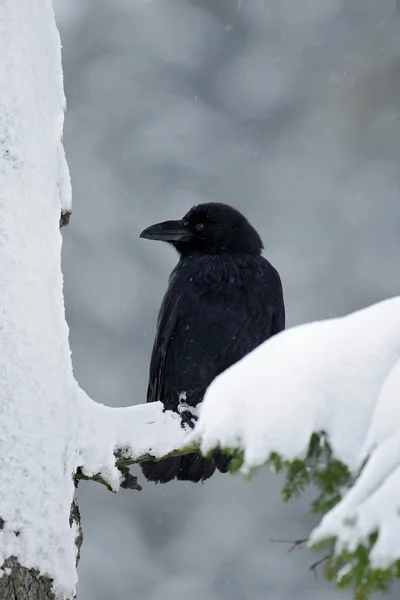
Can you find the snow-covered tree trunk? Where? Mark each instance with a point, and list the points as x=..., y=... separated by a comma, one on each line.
x=49, y=429
x=37, y=399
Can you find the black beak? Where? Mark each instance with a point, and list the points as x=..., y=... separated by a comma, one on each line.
x=168, y=231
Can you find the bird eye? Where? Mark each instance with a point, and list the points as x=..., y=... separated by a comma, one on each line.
x=199, y=226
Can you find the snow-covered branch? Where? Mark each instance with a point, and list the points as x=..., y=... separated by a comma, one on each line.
x=111, y=439
x=372, y=505
x=339, y=378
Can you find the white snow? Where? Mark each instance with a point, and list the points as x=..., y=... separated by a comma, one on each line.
x=338, y=376
x=63, y=180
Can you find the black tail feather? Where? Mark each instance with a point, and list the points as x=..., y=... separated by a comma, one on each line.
x=191, y=467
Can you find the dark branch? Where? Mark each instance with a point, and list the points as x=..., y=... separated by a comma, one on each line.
x=313, y=568
x=294, y=544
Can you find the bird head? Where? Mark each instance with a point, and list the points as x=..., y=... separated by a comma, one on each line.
x=211, y=228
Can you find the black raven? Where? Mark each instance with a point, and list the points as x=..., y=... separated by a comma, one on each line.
x=223, y=300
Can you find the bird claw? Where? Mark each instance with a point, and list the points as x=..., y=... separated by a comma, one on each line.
x=130, y=482
x=188, y=419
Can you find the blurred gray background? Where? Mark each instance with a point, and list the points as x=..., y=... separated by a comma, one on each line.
x=288, y=110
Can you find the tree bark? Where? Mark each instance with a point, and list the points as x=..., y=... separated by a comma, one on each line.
x=20, y=583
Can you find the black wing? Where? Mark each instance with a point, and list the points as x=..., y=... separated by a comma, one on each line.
x=166, y=326
x=203, y=328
